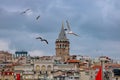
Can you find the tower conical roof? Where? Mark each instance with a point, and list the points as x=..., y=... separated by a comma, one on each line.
x=62, y=34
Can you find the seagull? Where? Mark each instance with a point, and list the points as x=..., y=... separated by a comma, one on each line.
x=42, y=39
x=25, y=11
x=37, y=17
x=69, y=30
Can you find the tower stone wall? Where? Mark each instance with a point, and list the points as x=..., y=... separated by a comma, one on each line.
x=62, y=45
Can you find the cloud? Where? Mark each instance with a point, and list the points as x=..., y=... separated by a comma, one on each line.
x=37, y=53
x=95, y=47
x=4, y=45
x=96, y=21
x=102, y=21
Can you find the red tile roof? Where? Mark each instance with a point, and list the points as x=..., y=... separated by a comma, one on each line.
x=106, y=66
x=112, y=65
x=73, y=61
x=96, y=66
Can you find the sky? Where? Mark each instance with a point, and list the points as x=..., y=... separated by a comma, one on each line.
x=97, y=22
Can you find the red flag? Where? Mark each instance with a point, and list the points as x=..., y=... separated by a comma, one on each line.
x=99, y=74
x=18, y=76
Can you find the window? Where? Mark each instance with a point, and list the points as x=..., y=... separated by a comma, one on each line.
x=37, y=68
x=86, y=73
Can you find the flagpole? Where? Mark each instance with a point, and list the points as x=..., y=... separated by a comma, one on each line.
x=102, y=64
x=100, y=73
x=102, y=69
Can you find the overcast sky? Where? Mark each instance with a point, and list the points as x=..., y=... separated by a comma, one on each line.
x=96, y=21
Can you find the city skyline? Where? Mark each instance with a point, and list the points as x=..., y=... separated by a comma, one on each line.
x=97, y=23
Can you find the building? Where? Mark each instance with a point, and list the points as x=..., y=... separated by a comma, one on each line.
x=62, y=45
x=21, y=57
x=5, y=56
x=21, y=54
x=43, y=68
x=7, y=75
x=26, y=71
x=65, y=72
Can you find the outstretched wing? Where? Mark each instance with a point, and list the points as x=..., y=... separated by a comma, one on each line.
x=39, y=38
x=45, y=40
x=37, y=17
x=68, y=26
x=25, y=11
x=75, y=34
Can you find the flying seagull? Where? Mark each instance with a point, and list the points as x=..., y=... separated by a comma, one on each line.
x=25, y=11
x=69, y=30
x=37, y=17
x=42, y=39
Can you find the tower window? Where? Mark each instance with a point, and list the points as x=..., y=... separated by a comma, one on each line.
x=60, y=45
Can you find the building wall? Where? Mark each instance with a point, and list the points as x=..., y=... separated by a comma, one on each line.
x=84, y=75
x=5, y=56
x=62, y=49
x=64, y=67
x=26, y=71
x=7, y=75
x=43, y=65
x=24, y=67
